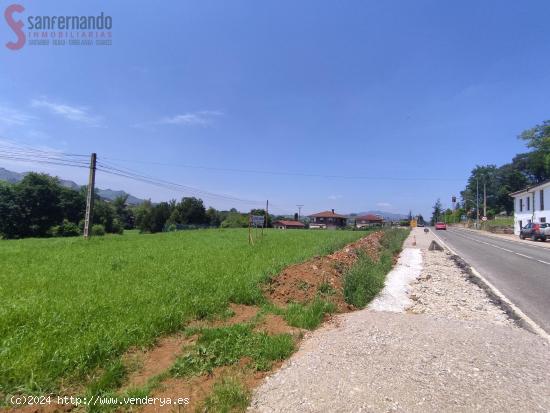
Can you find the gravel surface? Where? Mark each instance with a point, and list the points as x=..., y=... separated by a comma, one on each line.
x=453, y=351
x=390, y=362
x=443, y=290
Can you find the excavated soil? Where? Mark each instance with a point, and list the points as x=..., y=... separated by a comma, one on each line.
x=303, y=282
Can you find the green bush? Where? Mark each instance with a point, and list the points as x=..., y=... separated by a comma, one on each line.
x=366, y=278
x=118, y=227
x=98, y=230
x=70, y=229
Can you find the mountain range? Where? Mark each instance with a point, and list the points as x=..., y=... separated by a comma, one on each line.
x=108, y=194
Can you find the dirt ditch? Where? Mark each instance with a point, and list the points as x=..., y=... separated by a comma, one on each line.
x=303, y=282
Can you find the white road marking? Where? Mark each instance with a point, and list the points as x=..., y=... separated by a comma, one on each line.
x=534, y=326
x=501, y=248
x=530, y=244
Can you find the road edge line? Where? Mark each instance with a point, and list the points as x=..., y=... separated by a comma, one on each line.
x=519, y=317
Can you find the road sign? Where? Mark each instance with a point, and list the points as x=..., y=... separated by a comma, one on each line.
x=484, y=218
x=258, y=220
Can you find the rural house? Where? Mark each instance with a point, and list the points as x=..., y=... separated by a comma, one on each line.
x=531, y=204
x=327, y=220
x=369, y=220
x=288, y=224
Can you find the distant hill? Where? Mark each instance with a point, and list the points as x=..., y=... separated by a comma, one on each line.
x=111, y=194
x=108, y=194
x=388, y=216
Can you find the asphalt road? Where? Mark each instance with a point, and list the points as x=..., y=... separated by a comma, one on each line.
x=520, y=271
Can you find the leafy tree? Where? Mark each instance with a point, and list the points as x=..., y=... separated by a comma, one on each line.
x=189, y=210
x=144, y=216
x=235, y=220
x=159, y=216
x=11, y=215
x=437, y=212
x=214, y=217
x=123, y=213
x=38, y=197
x=537, y=162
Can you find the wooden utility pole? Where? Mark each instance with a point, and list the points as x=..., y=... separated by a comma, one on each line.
x=89, y=217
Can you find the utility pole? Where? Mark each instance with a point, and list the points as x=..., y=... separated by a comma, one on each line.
x=477, y=203
x=89, y=217
x=299, y=211
x=266, y=215
x=484, y=199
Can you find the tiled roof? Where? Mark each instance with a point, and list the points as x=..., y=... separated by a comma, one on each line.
x=370, y=217
x=290, y=223
x=327, y=214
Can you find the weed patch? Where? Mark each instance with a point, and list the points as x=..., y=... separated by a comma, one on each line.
x=307, y=316
x=225, y=346
x=366, y=278
x=228, y=395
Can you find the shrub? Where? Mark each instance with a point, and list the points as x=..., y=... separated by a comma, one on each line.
x=69, y=229
x=98, y=230
x=366, y=278
x=118, y=228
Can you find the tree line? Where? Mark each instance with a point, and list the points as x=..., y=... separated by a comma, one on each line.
x=524, y=169
x=39, y=206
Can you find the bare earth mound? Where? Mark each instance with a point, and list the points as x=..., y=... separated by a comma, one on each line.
x=302, y=282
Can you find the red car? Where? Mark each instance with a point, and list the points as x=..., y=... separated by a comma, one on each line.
x=440, y=225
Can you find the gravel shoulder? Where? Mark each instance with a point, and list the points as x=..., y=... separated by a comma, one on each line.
x=452, y=350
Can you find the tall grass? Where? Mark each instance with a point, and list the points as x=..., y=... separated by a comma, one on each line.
x=366, y=278
x=68, y=306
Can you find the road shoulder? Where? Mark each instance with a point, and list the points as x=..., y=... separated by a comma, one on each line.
x=453, y=350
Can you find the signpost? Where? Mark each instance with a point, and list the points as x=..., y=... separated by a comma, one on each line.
x=258, y=221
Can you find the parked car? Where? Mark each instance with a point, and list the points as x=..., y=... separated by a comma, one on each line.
x=535, y=231
x=440, y=225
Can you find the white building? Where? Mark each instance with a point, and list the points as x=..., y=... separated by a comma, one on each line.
x=531, y=204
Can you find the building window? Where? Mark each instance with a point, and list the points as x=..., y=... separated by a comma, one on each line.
x=542, y=199
x=543, y=220
x=521, y=205
x=520, y=224
x=528, y=203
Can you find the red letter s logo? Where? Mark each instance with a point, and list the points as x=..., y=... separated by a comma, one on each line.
x=16, y=26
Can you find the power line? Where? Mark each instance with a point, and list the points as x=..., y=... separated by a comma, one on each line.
x=108, y=168
x=286, y=173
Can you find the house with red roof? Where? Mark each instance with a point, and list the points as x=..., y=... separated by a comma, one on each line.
x=369, y=220
x=327, y=220
x=288, y=224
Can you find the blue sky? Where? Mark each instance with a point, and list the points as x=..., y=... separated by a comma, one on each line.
x=410, y=94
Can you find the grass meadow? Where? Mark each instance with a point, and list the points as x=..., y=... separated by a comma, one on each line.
x=69, y=306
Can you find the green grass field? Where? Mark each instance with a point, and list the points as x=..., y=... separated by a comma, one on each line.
x=69, y=306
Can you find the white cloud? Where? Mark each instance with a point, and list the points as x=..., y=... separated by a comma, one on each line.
x=13, y=117
x=384, y=204
x=79, y=114
x=334, y=197
x=199, y=118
